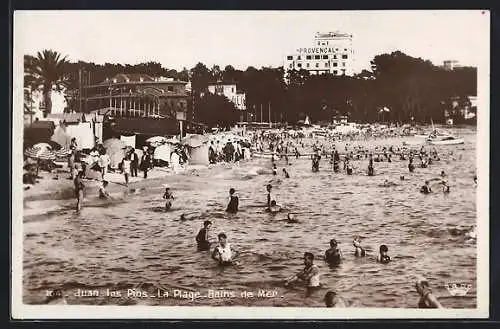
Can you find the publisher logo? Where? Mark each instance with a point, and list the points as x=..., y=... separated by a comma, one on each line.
x=458, y=289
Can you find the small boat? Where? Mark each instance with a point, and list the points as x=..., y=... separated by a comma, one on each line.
x=450, y=140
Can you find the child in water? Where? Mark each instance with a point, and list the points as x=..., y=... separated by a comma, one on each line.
x=383, y=257
x=358, y=250
x=169, y=197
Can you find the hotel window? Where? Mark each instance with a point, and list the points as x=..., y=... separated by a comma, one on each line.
x=344, y=56
x=343, y=63
x=308, y=57
x=317, y=64
x=336, y=49
x=325, y=56
x=307, y=65
x=317, y=57
x=170, y=88
x=335, y=64
x=335, y=72
x=334, y=56
x=289, y=58
x=327, y=64
x=345, y=49
x=298, y=58
x=299, y=65
x=291, y=65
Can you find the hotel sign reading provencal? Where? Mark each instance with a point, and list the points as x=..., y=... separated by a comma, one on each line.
x=323, y=50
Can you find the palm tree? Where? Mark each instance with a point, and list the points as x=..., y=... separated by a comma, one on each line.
x=48, y=68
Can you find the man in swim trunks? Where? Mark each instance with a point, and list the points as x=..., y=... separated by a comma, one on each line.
x=333, y=256
x=202, y=239
x=286, y=173
x=79, y=190
x=309, y=275
x=232, y=207
x=223, y=253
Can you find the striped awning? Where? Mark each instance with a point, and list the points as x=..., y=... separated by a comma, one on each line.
x=40, y=153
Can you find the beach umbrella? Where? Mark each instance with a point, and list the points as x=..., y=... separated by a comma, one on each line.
x=40, y=153
x=62, y=153
x=42, y=146
x=156, y=141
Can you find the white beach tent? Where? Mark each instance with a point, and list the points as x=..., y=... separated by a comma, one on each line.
x=162, y=152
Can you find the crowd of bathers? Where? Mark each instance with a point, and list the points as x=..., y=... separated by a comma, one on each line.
x=281, y=148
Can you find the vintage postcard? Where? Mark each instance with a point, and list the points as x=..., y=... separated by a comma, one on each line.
x=250, y=164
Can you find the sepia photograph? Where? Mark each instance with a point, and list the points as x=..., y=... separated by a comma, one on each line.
x=250, y=164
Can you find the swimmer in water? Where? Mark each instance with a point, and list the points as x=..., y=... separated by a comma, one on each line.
x=223, y=252
x=411, y=166
x=309, y=275
x=348, y=168
x=426, y=189
x=446, y=187
x=286, y=173
x=290, y=218
x=270, y=197
x=333, y=256
x=383, y=257
x=443, y=174
x=103, y=194
x=275, y=170
x=332, y=299
x=169, y=197
x=388, y=183
x=202, y=239
x=232, y=207
x=359, y=251
x=401, y=177
x=427, y=299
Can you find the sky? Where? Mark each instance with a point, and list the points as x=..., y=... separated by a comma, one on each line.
x=178, y=39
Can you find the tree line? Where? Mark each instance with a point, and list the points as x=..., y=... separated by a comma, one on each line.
x=413, y=89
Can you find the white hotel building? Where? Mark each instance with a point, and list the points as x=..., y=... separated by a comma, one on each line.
x=331, y=52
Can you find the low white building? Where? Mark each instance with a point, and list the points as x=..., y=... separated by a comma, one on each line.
x=231, y=92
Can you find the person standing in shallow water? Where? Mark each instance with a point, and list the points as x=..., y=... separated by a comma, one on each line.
x=383, y=257
x=232, y=207
x=333, y=256
x=223, y=253
x=202, y=239
x=79, y=186
x=126, y=163
x=169, y=197
x=309, y=275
